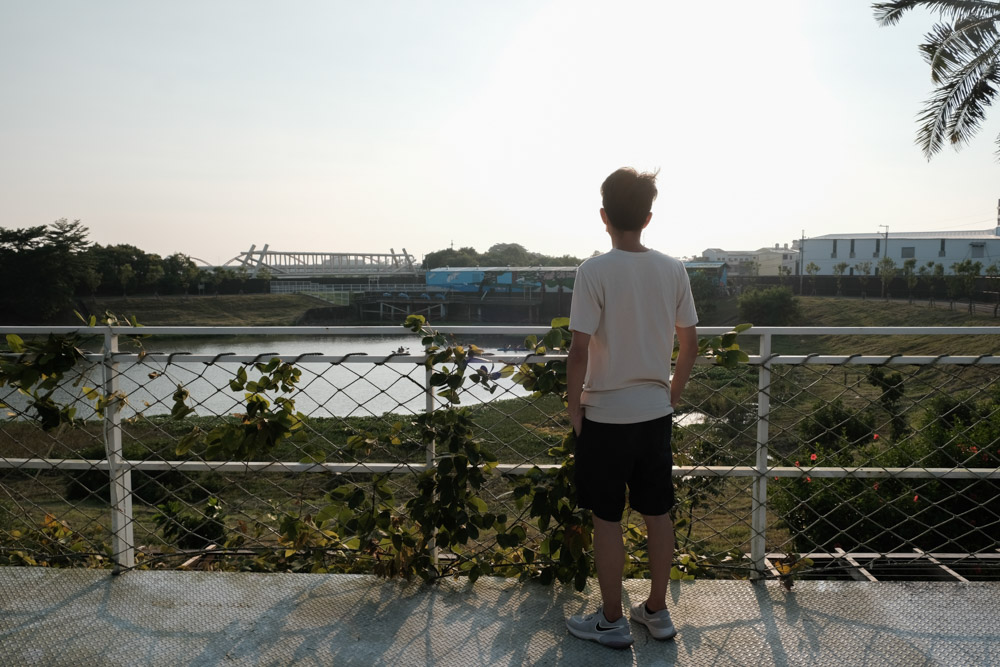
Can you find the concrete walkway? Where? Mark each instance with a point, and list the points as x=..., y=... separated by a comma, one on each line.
x=87, y=617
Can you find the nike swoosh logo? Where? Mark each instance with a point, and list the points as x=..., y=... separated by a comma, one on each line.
x=601, y=628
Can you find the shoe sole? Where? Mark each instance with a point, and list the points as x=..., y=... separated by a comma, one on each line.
x=653, y=632
x=603, y=640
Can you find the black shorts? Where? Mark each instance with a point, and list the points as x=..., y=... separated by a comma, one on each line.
x=610, y=457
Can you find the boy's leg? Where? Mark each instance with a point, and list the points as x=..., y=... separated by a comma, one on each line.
x=609, y=558
x=660, y=548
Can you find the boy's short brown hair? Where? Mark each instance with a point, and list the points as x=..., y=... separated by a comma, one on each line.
x=627, y=197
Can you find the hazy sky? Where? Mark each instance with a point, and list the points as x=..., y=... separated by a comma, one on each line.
x=203, y=127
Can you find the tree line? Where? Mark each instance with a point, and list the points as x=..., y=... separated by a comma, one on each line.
x=961, y=283
x=499, y=254
x=43, y=269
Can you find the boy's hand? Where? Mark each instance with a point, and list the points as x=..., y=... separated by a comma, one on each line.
x=576, y=420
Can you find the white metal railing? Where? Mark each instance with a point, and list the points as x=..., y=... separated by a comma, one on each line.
x=762, y=467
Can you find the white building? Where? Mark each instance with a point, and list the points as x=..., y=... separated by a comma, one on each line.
x=767, y=261
x=945, y=248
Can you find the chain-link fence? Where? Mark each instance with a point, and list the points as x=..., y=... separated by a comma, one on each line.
x=876, y=464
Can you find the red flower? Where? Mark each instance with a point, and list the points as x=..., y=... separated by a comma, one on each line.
x=812, y=457
x=875, y=437
x=973, y=449
x=796, y=464
x=875, y=486
x=916, y=498
x=809, y=479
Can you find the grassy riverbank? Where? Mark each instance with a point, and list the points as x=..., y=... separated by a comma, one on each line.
x=224, y=310
x=287, y=309
x=848, y=312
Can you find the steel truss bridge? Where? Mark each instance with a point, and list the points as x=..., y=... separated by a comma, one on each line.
x=280, y=264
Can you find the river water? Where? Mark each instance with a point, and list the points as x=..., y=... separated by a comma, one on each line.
x=353, y=387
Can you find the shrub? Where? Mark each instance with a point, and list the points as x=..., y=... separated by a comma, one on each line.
x=774, y=306
x=830, y=423
x=883, y=515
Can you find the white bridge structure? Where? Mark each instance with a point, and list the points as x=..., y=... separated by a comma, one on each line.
x=281, y=264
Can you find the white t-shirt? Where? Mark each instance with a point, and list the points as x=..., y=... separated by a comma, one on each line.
x=629, y=304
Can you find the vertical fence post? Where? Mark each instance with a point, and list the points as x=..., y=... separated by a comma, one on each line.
x=123, y=543
x=429, y=408
x=758, y=543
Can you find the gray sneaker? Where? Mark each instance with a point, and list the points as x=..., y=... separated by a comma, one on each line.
x=659, y=624
x=599, y=629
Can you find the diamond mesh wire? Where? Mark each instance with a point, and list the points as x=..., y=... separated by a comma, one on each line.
x=871, y=465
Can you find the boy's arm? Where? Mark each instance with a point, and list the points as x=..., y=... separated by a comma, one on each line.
x=687, y=339
x=576, y=371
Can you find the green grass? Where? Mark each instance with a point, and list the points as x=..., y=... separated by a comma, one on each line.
x=844, y=312
x=259, y=310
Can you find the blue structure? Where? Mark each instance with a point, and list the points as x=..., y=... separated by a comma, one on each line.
x=520, y=279
x=509, y=279
x=717, y=270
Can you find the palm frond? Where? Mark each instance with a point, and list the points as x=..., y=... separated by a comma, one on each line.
x=958, y=107
x=963, y=52
x=889, y=13
x=968, y=115
x=948, y=48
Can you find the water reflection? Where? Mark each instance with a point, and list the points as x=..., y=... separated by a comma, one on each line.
x=352, y=387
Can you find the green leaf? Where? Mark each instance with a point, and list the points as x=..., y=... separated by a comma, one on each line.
x=553, y=339
x=479, y=504
x=15, y=343
x=184, y=446
x=327, y=513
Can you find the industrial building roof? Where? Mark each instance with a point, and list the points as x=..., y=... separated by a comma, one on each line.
x=967, y=234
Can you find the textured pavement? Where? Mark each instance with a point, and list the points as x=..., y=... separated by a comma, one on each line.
x=88, y=617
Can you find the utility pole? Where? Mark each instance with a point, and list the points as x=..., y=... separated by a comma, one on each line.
x=802, y=258
x=885, y=246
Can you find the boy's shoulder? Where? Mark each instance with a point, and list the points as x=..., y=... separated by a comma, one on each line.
x=615, y=258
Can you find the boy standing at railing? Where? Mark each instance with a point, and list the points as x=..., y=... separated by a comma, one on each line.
x=627, y=305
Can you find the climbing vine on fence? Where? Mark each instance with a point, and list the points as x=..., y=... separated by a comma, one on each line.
x=545, y=537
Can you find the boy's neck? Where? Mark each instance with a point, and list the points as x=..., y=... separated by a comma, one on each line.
x=627, y=241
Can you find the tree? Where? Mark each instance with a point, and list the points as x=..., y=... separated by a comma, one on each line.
x=965, y=274
x=179, y=272
x=42, y=268
x=930, y=273
x=864, y=270
x=812, y=269
x=507, y=254
x=125, y=276
x=108, y=260
x=838, y=271
x=783, y=272
x=910, y=274
x=886, y=272
x=963, y=52
x=993, y=272
x=451, y=257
